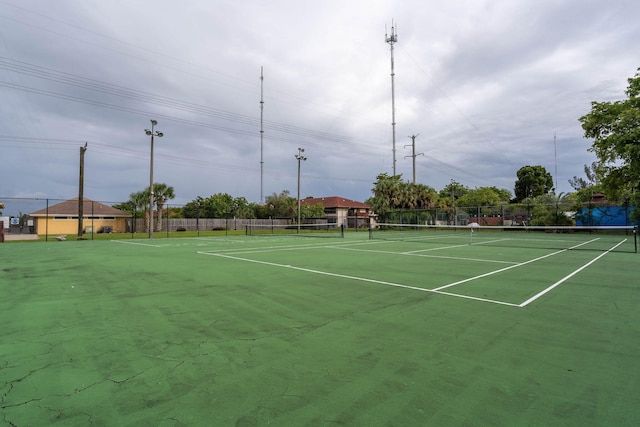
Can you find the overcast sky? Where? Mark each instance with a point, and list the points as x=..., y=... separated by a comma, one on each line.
x=485, y=86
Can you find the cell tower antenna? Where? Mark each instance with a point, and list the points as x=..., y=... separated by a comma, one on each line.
x=391, y=39
x=261, y=136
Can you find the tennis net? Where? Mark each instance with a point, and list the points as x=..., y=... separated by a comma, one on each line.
x=304, y=230
x=601, y=238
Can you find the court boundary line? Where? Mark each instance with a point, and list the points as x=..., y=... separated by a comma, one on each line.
x=438, y=290
x=344, y=247
x=413, y=253
x=570, y=275
x=480, y=276
x=127, y=242
x=361, y=279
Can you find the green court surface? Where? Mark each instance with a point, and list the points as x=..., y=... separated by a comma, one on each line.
x=294, y=331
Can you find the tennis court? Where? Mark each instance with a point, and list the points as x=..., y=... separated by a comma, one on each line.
x=285, y=330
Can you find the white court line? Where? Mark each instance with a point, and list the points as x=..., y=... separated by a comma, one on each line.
x=538, y=295
x=455, y=246
x=436, y=290
x=511, y=266
x=362, y=279
x=413, y=253
x=127, y=242
x=215, y=239
x=282, y=247
x=238, y=251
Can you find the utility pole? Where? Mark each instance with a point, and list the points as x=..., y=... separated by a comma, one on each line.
x=391, y=39
x=555, y=156
x=81, y=191
x=414, y=155
x=299, y=158
x=152, y=133
x=261, y=137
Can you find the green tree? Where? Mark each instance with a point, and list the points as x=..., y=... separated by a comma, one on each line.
x=615, y=129
x=532, y=181
x=194, y=208
x=482, y=196
x=281, y=205
x=386, y=192
x=592, y=172
x=585, y=188
x=161, y=193
x=549, y=209
x=503, y=193
x=221, y=205
x=391, y=193
x=312, y=211
x=137, y=205
x=244, y=209
x=452, y=192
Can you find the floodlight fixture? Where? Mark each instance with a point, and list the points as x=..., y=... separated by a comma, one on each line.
x=152, y=133
x=299, y=158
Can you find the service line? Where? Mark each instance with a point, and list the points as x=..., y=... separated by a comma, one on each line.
x=538, y=295
x=361, y=279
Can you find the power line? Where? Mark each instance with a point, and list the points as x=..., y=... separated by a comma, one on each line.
x=150, y=98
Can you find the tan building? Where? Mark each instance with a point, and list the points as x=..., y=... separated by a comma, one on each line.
x=343, y=211
x=62, y=218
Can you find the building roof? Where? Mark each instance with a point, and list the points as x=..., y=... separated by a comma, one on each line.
x=89, y=208
x=335, y=202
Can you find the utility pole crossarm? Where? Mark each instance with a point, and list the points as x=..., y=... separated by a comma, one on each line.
x=413, y=155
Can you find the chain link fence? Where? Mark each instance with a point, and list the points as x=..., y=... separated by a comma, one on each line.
x=54, y=217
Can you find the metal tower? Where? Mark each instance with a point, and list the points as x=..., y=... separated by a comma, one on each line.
x=391, y=39
x=261, y=138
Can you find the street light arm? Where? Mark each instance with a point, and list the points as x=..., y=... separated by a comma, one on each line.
x=152, y=133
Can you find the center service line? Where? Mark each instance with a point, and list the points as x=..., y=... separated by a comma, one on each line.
x=510, y=267
x=538, y=295
x=362, y=279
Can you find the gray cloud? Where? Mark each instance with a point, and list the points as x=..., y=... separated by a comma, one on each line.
x=486, y=85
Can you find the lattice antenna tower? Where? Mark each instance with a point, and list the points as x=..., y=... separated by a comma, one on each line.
x=261, y=136
x=391, y=39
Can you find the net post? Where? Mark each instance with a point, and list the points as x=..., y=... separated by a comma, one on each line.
x=247, y=230
x=342, y=230
x=635, y=238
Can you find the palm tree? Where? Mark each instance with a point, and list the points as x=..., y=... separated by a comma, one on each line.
x=161, y=193
x=138, y=202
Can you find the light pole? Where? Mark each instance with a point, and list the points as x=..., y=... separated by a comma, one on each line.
x=152, y=133
x=299, y=158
